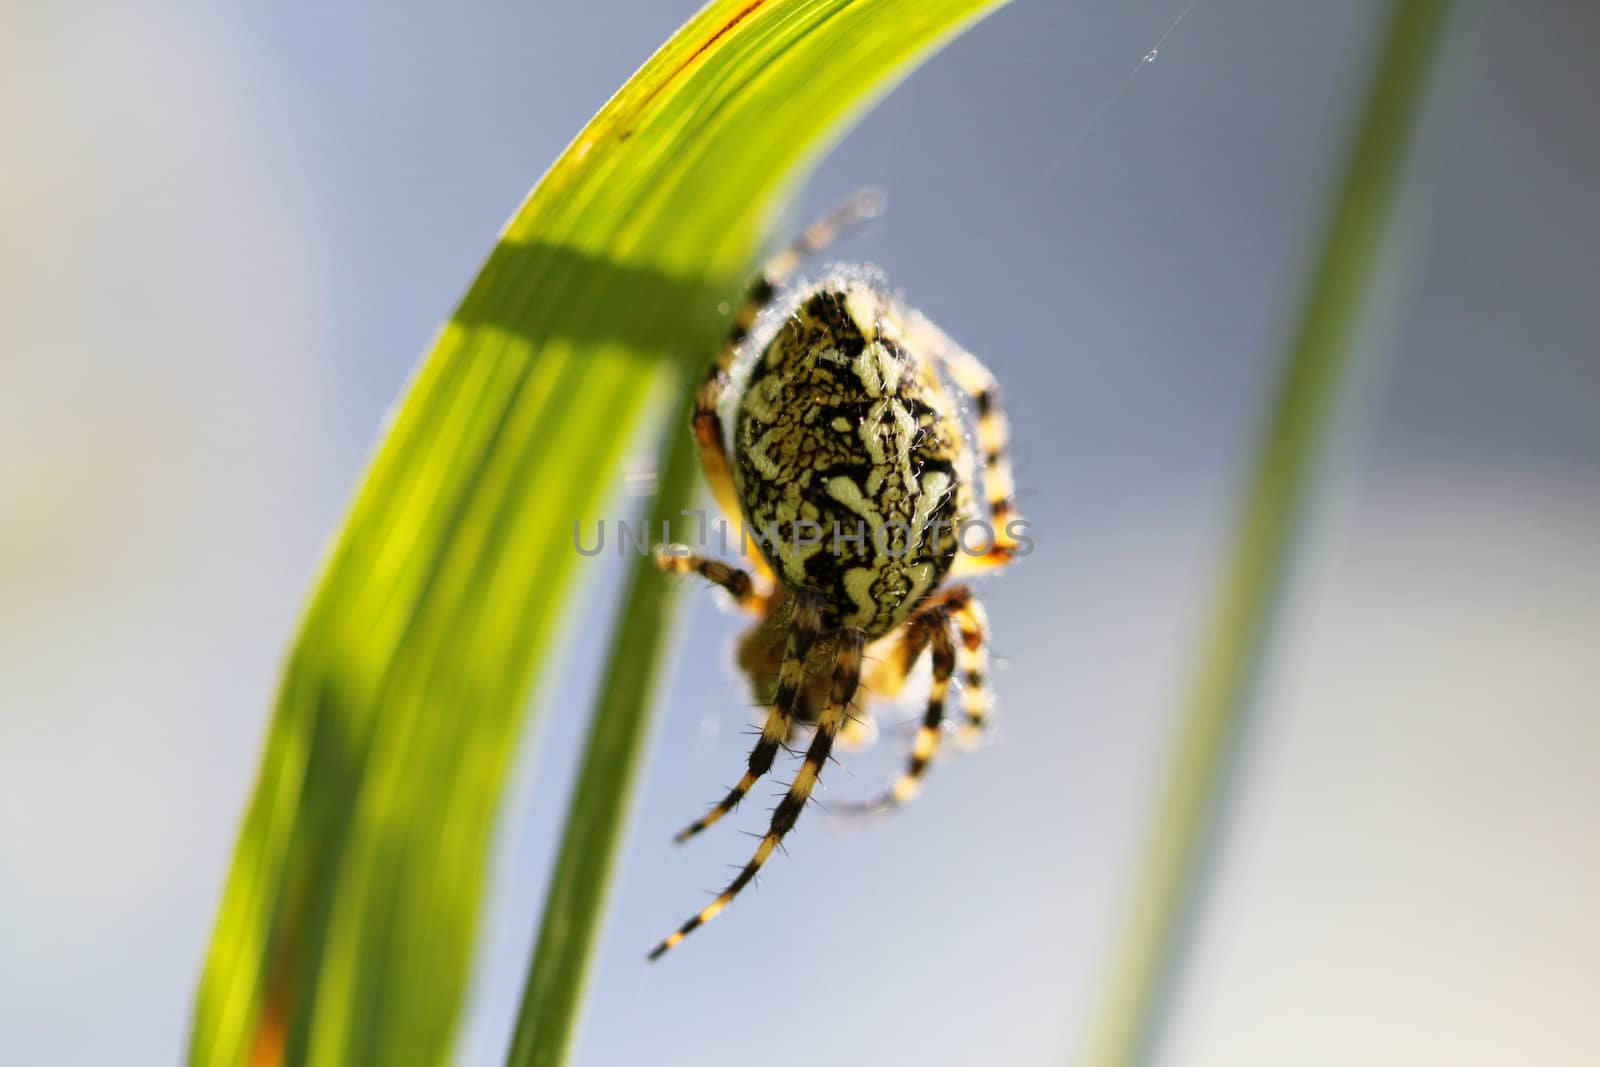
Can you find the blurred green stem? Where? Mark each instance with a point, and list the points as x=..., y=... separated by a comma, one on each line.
x=1320, y=351
x=597, y=812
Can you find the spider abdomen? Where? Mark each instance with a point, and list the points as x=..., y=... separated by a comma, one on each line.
x=849, y=460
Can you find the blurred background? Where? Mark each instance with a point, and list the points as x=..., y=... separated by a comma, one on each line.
x=226, y=232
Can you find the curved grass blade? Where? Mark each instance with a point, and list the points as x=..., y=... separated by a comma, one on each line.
x=552, y=996
x=1319, y=354
x=881, y=39
x=345, y=930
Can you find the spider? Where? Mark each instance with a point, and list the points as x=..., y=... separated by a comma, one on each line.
x=852, y=473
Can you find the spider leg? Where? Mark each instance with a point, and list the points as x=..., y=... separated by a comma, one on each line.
x=994, y=437
x=738, y=583
x=972, y=657
x=706, y=422
x=934, y=622
x=804, y=629
x=859, y=731
x=931, y=626
x=846, y=676
x=708, y=437
x=780, y=267
x=888, y=663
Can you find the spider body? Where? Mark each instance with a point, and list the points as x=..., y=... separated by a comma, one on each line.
x=850, y=461
x=852, y=475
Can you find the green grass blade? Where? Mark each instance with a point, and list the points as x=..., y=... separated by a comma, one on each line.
x=552, y=997
x=1320, y=351
x=345, y=930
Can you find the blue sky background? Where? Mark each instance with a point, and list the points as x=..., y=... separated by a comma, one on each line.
x=226, y=232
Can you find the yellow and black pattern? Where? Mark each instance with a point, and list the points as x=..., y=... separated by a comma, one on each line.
x=891, y=661
x=973, y=659
x=849, y=459
x=735, y=581
x=850, y=464
x=994, y=439
x=707, y=423
x=846, y=676
x=804, y=628
x=931, y=627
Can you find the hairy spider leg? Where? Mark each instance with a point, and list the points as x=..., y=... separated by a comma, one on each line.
x=804, y=628
x=735, y=581
x=972, y=658
x=889, y=661
x=846, y=676
x=958, y=605
x=933, y=621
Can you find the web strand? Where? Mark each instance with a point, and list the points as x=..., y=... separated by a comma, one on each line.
x=1095, y=120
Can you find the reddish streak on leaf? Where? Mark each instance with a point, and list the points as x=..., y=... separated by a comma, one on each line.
x=698, y=52
x=272, y=1029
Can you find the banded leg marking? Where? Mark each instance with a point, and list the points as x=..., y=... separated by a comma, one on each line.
x=738, y=583
x=935, y=622
x=803, y=631
x=846, y=676
x=780, y=267
x=883, y=674
x=972, y=658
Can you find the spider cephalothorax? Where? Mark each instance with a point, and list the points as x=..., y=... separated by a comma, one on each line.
x=852, y=475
